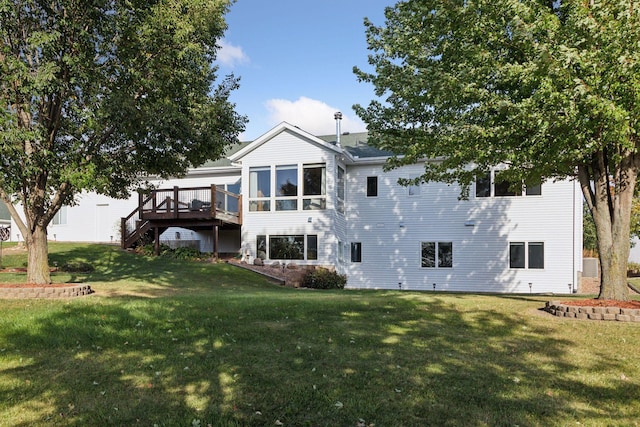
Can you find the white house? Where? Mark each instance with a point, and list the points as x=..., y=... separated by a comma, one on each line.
x=327, y=201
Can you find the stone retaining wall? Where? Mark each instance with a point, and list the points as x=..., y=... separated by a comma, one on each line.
x=45, y=291
x=593, y=313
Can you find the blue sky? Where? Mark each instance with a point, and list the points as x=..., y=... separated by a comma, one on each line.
x=295, y=61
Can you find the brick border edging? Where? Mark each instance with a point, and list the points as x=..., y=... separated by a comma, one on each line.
x=592, y=313
x=70, y=291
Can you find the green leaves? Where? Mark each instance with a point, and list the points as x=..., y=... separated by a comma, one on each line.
x=96, y=94
x=556, y=79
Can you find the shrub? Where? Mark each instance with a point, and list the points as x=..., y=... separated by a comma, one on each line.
x=77, y=267
x=322, y=278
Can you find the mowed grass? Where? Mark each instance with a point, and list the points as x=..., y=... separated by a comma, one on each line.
x=176, y=343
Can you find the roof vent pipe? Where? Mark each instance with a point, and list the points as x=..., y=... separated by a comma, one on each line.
x=338, y=117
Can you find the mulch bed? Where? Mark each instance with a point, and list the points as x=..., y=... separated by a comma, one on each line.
x=603, y=303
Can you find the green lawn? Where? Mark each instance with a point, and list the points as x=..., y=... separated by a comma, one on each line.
x=176, y=343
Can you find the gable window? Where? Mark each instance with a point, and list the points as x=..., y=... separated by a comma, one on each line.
x=259, y=189
x=340, y=190
x=372, y=186
x=286, y=188
x=314, y=187
x=356, y=252
x=60, y=218
x=526, y=255
x=437, y=254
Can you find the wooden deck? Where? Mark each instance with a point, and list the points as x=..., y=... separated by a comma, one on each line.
x=194, y=208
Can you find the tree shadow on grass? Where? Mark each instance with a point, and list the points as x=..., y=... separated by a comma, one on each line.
x=302, y=358
x=149, y=276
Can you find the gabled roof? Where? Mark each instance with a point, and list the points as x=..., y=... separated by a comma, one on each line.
x=282, y=127
x=224, y=161
x=357, y=146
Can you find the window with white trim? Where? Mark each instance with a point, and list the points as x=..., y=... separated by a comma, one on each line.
x=340, y=189
x=314, y=186
x=526, y=255
x=287, y=247
x=287, y=188
x=60, y=217
x=260, y=189
x=493, y=184
x=438, y=254
x=372, y=186
x=356, y=251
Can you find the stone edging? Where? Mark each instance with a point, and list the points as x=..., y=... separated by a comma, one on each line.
x=46, y=291
x=593, y=313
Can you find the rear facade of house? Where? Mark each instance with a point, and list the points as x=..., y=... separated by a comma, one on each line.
x=327, y=201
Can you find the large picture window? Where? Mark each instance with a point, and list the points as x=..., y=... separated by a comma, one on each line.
x=314, y=187
x=259, y=189
x=436, y=254
x=288, y=247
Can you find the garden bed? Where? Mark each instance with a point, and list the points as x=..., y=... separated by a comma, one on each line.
x=593, y=309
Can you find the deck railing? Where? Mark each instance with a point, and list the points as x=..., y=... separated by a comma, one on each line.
x=182, y=203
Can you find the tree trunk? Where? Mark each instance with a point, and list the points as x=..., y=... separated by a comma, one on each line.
x=609, y=196
x=38, y=255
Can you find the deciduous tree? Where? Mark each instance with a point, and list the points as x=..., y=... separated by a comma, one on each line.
x=95, y=94
x=549, y=88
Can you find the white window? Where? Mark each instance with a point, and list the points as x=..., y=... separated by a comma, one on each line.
x=499, y=186
x=438, y=254
x=356, y=251
x=60, y=218
x=372, y=186
x=314, y=187
x=340, y=184
x=260, y=189
x=526, y=255
x=286, y=188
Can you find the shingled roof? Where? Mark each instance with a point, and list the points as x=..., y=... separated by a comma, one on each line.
x=355, y=143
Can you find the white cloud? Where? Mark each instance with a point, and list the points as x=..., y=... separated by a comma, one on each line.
x=312, y=116
x=230, y=55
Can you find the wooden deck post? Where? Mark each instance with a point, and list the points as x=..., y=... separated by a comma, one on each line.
x=213, y=200
x=216, y=252
x=140, y=203
x=176, y=196
x=123, y=232
x=156, y=242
